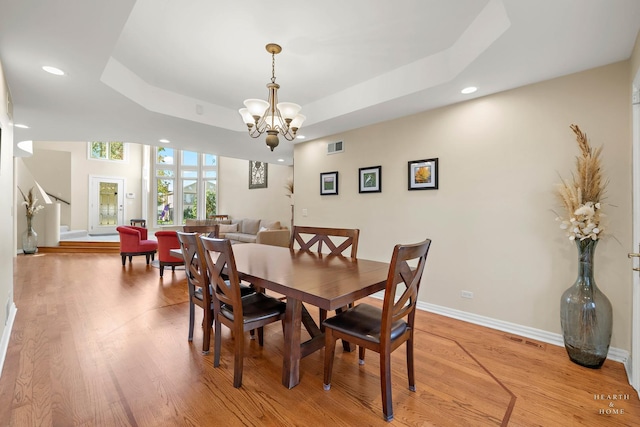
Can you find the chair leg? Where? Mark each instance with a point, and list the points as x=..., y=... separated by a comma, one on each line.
x=361, y=351
x=238, y=344
x=130, y=257
x=161, y=270
x=173, y=268
x=191, y=319
x=206, y=324
x=261, y=336
x=410, y=369
x=385, y=384
x=323, y=317
x=217, y=341
x=147, y=256
x=124, y=260
x=329, y=352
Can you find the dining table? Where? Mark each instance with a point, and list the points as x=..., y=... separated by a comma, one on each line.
x=325, y=281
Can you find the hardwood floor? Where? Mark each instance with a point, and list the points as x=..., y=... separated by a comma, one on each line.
x=98, y=344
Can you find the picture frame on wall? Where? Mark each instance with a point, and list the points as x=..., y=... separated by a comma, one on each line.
x=423, y=174
x=370, y=179
x=328, y=183
x=258, y=174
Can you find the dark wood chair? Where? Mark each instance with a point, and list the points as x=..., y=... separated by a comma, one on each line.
x=212, y=230
x=337, y=241
x=167, y=240
x=230, y=308
x=383, y=330
x=197, y=281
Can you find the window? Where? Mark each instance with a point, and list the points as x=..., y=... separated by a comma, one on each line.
x=182, y=180
x=113, y=151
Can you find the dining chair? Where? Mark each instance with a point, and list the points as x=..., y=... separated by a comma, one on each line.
x=238, y=313
x=167, y=240
x=197, y=282
x=383, y=330
x=133, y=242
x=336, y=241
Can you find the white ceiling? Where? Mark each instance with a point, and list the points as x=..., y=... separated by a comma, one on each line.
x=139, y=71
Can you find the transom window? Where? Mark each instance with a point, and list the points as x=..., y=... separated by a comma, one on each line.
x=114, y=151
x=183, y=179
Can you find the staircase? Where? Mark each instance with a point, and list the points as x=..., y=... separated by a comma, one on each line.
x=78, y=241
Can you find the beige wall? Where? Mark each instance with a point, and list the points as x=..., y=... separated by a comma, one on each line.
x=491, y=220
x=76, y=179
x=237, y=200
x=7, y=212
x=635, y=57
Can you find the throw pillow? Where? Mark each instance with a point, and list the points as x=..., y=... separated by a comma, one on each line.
x=250, y=226
x=228, y=228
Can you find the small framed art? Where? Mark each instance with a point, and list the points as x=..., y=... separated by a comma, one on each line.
x=423, y=174
x=370, y=179
x=257, y=174
x=328, y=183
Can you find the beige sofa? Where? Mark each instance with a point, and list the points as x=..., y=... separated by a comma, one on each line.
x=255, y=231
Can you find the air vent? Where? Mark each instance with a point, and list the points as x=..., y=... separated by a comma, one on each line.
x=335, y=147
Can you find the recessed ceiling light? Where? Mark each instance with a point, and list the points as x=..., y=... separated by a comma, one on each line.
x=21, y=126
x=468, y=90
x=281, y=160
x=53, y=70
x=301, y=137
x=164, y=141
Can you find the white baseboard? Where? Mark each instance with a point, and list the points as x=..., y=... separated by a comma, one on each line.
x=6, y=334
x=615, y=354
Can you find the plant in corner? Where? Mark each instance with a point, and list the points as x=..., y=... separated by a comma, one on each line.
x=585, y=312
x=30, y=237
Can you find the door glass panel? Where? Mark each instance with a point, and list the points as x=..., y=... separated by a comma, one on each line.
x=165, y=156
x=108, y=203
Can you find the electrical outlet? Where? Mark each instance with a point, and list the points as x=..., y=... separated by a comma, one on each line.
x=304, y=212
x=466, y=294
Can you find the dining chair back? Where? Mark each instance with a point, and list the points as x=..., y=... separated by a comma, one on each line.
x=212, y=230
x=238, y=313
x=167, y=240
x=336, y=240
x=383, y=330
x=134, y=241
x=197, y=284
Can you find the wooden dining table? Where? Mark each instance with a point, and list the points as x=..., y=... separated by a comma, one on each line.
x=325, y=281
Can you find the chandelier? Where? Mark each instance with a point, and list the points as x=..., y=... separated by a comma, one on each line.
x=271, y=116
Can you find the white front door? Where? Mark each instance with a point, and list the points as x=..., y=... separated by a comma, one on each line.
x=106, y=204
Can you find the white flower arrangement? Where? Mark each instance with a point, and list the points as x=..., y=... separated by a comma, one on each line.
x=584, y=224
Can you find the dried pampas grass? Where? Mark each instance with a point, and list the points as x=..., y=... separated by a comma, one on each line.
x=585, y=188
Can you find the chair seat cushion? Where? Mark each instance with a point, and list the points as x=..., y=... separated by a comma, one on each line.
x=363, y=321
x=256, y=306
x=148, y=245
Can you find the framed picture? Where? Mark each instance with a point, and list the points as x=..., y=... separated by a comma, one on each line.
x=370, y=179
x=257, y=174
x=328, y=183
x=423, y=174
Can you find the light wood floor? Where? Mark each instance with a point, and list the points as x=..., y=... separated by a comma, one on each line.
x=96, y=344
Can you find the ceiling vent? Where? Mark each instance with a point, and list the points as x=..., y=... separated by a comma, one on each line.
x=335, y=147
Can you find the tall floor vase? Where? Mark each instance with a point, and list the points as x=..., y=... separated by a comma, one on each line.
x=586, y=313
x=29, y=239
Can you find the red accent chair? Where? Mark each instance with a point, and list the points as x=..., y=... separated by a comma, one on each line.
x=168, y=240
x=133, y=241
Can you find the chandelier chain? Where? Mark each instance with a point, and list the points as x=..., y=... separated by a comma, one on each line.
x=273, y=67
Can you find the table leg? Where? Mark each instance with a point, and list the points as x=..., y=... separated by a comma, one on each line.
x=291, y=363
